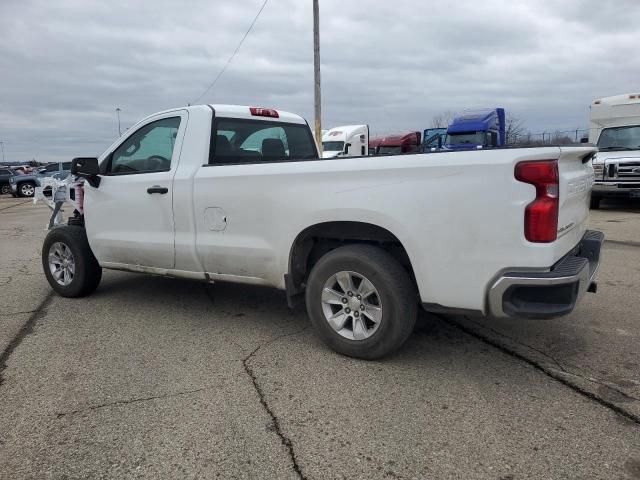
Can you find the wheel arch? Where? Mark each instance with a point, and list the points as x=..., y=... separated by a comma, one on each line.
x=316, y=240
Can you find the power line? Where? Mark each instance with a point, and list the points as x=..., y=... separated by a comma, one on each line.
x=234, y=53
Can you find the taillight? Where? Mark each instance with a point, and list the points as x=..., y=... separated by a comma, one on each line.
x=264, y=112
x=541, y=215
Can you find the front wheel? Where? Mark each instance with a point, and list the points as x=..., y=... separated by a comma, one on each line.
x=27, y=189
x=361, y=301
x=68, y=262
x=594, y=204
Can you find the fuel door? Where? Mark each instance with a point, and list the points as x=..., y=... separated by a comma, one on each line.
x=215, y=219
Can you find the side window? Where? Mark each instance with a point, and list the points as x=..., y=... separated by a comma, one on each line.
x=4, y=172
x=250, y=141
x=53, y=167
x=66, y=166
x=148, y=150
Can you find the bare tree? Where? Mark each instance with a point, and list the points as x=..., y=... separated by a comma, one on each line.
x=515, y=129
x=442, y=119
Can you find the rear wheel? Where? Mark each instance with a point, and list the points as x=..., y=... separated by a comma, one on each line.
x=68, y=262
x=27, y=189
x=6, y=189
x=361, y=301
x=595, y=203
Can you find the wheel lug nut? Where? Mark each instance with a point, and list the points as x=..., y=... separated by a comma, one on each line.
x=357, y=314
x=348, y=310
x=344, y=300
x=359, y=297
x=361, y=307
x=350, y=294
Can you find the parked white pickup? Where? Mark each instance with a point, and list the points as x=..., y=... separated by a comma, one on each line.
x=232, y=193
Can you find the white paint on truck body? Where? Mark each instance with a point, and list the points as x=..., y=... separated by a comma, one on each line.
x=459, y=215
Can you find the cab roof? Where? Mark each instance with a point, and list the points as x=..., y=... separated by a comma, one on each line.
x=396, y=140
x=624, y=99
x=342, y=133
x=242, y=111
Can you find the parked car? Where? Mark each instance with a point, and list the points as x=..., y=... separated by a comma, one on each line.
x=363, y=240
x=25, y=185
x=5, y=184
x=20, y=170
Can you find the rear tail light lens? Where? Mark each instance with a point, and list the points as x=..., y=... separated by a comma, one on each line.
x=541, y=215
x=264, y=112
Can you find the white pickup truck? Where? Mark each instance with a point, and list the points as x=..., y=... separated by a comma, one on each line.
x=232, y=193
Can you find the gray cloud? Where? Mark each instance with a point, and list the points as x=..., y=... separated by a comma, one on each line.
x=67, y=65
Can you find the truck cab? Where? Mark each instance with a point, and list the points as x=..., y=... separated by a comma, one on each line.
x=474, y=129
x=397, y=144
x=346, y=141
x=433, y=138
x=615, y=129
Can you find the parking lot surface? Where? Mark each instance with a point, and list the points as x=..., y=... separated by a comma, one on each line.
x=159, y=378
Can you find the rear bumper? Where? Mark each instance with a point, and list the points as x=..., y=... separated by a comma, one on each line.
x=551, y=293
x=616, y=189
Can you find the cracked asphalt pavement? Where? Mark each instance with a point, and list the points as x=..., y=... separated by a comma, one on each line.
x=160, y=378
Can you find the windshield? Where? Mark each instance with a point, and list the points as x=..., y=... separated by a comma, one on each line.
x=620, y=138
x=383, y=150
x=333, y=146
x=473, y=138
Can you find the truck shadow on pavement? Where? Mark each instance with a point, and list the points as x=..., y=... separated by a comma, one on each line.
x=233, y=362
x=254, y=307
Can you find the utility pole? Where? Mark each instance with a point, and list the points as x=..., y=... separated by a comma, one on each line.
x=118, y=115
x=2, y=145
x=316, y=75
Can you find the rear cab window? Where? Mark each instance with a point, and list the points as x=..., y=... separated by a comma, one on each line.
x=237, y=141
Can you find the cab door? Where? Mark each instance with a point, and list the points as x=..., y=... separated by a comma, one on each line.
x=129, y=216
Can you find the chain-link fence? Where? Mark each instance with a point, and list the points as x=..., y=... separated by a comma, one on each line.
x=552, y=137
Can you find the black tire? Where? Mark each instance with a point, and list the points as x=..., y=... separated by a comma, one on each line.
x=594, y=204
x=5, y=189
x=26, y=185
x=87, y=273
x=395, y=288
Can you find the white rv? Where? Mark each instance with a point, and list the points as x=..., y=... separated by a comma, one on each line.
x=615, y=129
x=346, y=141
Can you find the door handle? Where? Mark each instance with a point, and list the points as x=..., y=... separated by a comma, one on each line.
x=157, y=189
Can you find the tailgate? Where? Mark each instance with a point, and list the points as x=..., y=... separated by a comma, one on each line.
x=576, y=180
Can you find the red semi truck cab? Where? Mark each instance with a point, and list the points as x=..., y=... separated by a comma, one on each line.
x=395, y=144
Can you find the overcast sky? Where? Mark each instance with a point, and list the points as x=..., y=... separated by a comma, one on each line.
x=65, y=65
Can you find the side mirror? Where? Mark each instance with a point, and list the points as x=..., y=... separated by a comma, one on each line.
x=584, y=140
x=87, y=168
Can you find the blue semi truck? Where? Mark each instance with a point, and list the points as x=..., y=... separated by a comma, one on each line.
x=475, y=129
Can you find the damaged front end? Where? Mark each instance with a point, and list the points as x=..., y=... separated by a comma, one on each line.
x=56, y=192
